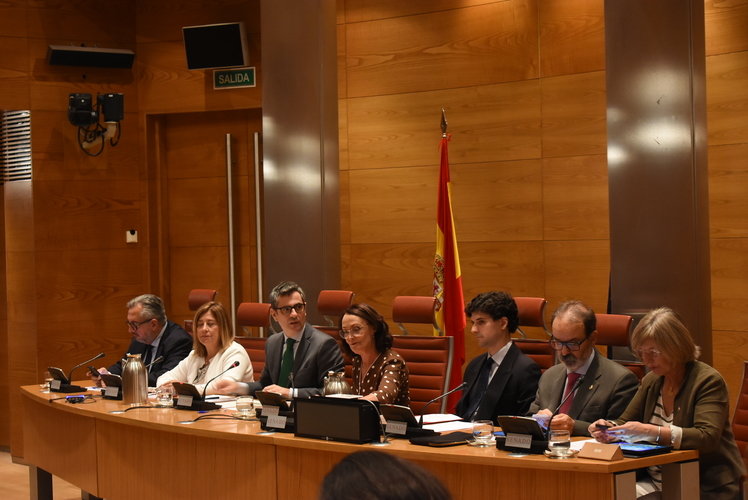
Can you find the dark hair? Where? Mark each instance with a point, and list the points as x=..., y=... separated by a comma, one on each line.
x=382, y=336
x=578, y=311
x=285, y=288
x=374, y=475
x=497, y=305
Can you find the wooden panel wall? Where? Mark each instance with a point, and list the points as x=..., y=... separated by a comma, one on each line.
x=527, y=118
x=727, y=127
x=71, y=271
x=523, y=84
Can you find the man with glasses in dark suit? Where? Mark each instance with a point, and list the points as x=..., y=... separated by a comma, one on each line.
x=593, y=386
x=298, y=358
x=153, y=336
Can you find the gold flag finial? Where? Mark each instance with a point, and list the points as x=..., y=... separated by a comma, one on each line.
x=444, y=123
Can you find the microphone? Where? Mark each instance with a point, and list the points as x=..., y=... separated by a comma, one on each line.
x=157, y=360
x=423, y=410
x=233, y=365
x=70, y=374
x=384, y=440
x=555, y=412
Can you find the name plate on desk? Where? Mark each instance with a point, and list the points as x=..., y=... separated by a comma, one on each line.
x=601, y=451
x=276, y=422
x=55, y=385
x=395, y=427
x=112, y=392
x=270, y=411
x=519, y=440
x=184, y=400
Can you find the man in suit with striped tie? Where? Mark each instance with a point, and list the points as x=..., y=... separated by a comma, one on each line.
x=585, y=386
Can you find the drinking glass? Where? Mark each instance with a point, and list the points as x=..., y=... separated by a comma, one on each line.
x=559, y=443
x=245, y=406
x=47, y=380
x=483, y=432
x=164, y=397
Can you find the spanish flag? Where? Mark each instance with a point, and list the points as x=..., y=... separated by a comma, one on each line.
x=450, y=304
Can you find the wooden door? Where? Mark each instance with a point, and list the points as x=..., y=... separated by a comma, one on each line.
x=190, y=222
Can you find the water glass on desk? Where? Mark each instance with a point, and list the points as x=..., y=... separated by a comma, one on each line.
x=164, y=397
x=483, y=433
x=559, y=443
x=245, y=407
x=47, y=380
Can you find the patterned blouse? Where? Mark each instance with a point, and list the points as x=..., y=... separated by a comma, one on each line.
x=387, y=377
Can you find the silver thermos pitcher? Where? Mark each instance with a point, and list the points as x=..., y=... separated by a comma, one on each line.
x=336, y=384
x=134, y=381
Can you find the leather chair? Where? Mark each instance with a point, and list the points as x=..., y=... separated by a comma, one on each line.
x=613, y=330
x=429, y=361
x=196, y=298
x=332, y=303
x=532, y=314
x=740, y=421
x=414, y=309
x=254, y=314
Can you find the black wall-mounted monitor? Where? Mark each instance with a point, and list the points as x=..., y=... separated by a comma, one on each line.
x=215, y=46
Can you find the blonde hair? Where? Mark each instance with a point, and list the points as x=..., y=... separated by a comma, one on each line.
x=226, y=334
x=668, y=332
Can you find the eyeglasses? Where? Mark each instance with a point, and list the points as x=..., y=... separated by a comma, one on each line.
x=286, y=310
x=572, y=345
x=649, y=353
x=355, y=331
x=134, y=325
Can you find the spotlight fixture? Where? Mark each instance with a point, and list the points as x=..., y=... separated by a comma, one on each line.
x=91, y=133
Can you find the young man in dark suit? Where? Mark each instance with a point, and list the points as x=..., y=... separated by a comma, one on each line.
x=502, y=381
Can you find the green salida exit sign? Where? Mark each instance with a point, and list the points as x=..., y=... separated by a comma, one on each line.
x=233, y=78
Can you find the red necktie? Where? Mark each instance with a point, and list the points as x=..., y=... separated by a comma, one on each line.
x=571, y=380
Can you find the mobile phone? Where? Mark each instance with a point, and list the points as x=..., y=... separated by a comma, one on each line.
x=603, y=427
x=94, y=372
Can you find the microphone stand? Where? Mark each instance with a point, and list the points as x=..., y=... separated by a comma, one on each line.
x=68, y=386
x=205, y=389
x=384, y=440
x=423, y=410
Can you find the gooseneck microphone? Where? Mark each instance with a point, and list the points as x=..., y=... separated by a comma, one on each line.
x=157, y=360
x=423, y=410
x=555, y=412
x=233, y=365
x=70, y=374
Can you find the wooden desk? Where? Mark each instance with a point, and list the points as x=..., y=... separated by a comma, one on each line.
x=146, y=453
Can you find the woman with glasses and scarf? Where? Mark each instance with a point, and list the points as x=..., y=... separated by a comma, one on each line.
x=682, y=403
x=379, y=373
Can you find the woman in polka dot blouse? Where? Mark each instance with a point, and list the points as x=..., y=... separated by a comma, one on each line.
x=379, y=373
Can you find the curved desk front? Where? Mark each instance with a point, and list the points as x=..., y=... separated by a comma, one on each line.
x=147, y=453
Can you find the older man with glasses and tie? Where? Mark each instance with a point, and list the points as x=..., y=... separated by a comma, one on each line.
x=585, y=386
x=298, y=358
x=154, y=337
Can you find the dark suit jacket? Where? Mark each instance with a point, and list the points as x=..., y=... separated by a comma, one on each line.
x=603, y=392
x=317, y=354
x=702, y=411
x=510, y=391
x=174, y=346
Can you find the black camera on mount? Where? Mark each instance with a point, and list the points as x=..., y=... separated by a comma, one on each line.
x=80, y=110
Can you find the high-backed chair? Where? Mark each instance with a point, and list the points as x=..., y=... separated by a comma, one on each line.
x=531, y=313
x=429, y=361
x=254, y=314
x=613, y=330
x=414, y=309
x=740, y=420
x=332, y=303
x=196, y=298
